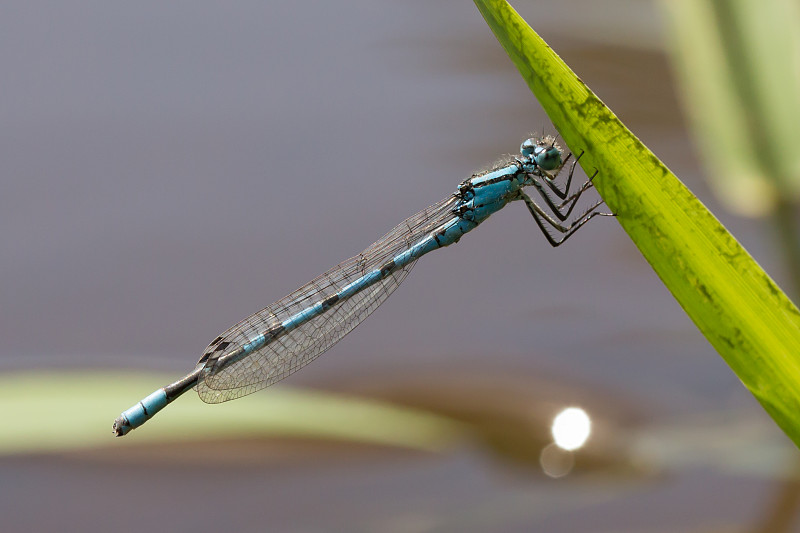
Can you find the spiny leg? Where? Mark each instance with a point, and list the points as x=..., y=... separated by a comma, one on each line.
x=586, y=185
x=540, y=216
x=571, y=201
x=573, y=228
x=536, y=210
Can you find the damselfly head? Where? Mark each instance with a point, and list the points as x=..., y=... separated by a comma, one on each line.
x=543, y=150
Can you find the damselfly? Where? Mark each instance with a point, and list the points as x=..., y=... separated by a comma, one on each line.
x=279, y=340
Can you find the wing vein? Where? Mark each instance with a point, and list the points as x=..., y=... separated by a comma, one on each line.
x=287, y=353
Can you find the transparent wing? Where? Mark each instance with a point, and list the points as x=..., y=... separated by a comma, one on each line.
x=291, y=351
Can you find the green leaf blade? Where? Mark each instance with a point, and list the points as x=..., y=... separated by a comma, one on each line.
x=56, y=412
x=740, y=310
x=738, y=77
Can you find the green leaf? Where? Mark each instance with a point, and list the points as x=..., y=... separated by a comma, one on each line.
x=57, y=412
x=740, y=310
x=738, y=65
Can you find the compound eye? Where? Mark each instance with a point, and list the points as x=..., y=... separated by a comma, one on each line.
x=548, y=158
x=527, y=147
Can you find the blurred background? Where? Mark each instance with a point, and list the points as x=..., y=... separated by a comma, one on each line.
x=169, y=169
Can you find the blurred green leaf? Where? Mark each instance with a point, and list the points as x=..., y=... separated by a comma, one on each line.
x=55, y=412
x=738, y=64
x=739, y=309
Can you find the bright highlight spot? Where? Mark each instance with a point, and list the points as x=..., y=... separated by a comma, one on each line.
x=571, y=427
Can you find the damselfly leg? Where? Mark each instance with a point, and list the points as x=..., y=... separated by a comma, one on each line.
x=569, y=202
x=541, y=216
